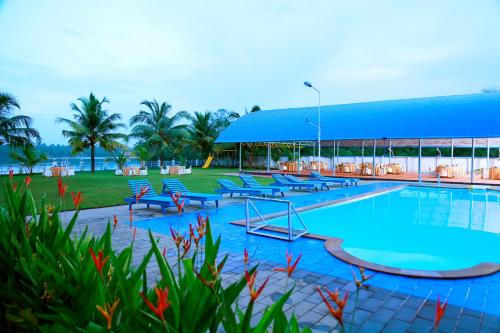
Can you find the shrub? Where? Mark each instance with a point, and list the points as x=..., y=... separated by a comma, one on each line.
x=57, y=281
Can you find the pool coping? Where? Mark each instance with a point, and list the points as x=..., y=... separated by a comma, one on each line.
x=334, y=245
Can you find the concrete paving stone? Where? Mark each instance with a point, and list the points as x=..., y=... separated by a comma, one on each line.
x=396, y=326
x=383, y=315
x=447, y=324
x=427, y=312
x=370, y=304
x=371, y=326
x=420, y=325
x=381, y=294
x=405, y=314
x=303, y=307
x=491, y=321
x=310, y=317
x=360, y=316
x=393, y=303
x=469, y=322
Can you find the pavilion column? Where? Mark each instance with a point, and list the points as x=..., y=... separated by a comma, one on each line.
x=268, y=157
x=298, y=162
x=294, y=152
x=488, y=156
x=419, y=160
x=472, y=162
x=334, y=167
x=451, y=152
x=239, y=164
x=374, y=154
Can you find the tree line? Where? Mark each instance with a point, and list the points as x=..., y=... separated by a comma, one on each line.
x=157, y=132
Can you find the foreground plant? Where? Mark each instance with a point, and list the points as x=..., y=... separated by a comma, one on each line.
x=55, y=281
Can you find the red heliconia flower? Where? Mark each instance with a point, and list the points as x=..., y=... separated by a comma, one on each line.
x=336, y=313
x=162, y=302
x=107, y=312
x=440, y=309
x=176, y=198
x=177, y=237
x=254, y=294
x=202, y=226
x=77, y=199
x=99, y=261
x=245, y=256
x=115, y=221
x=185, y=247
x=289, y=268
x=11, y=175
x=14, y=186
x=164, y=250
x=61, y=188
x=135, y=231
x=364, y=278
x=143, y=191
x=27, y=180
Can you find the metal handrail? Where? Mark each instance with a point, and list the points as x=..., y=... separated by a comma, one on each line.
x=292, y=234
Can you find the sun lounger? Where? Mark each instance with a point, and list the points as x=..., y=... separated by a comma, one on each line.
x=280, y=180
x=176, y=186
x=227, y=186
x=150, y=198
x=344, y=181
x=322, y=184
x=250, y=182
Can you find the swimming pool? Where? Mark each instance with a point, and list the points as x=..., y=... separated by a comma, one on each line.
x=416, y=228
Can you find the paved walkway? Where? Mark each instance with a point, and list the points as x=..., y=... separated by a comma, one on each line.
x=388, y=304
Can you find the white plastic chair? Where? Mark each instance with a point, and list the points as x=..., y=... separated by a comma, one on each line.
x=188, y=171
x=71, y=172
x=143, y=172
x=47, y=173
x=164, y=170
x=119, y=172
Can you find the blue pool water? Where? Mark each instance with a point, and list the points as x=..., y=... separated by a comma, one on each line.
x=415, y=227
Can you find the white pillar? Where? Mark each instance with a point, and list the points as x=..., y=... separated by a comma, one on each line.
x=419, y=160
x=451, y=152
x=374, y=154
x=488, y=157
x=298, y=162
x=334, y=162
x=472, y=162
x=239, y=165
x=268, y=157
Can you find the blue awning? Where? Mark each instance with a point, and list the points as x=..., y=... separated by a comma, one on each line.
x=462, y=116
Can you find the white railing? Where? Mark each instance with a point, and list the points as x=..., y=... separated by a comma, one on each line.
x=262, y=227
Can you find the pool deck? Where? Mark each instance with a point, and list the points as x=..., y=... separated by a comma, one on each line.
x=390, y=303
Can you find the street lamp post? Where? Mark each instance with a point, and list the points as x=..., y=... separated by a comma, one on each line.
x=318, y=126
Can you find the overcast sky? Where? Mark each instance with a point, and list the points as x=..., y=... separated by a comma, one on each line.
x=206, y=55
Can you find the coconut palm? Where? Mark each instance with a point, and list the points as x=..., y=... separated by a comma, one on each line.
x=15, y=130
x=142, y=152
x=202, y=132
x=155, y=128
x=92, y=126
x=28, y=157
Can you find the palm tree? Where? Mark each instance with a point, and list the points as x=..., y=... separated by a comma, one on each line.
x=155, y=128
x=222, y=118
x=142, y=152
x=15, y=130
x=92, y=126
x=28, y=157
x=202, y=132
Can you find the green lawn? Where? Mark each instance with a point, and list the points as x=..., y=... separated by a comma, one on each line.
x=105, y=189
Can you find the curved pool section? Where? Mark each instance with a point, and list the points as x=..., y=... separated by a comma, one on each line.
x=414, y=229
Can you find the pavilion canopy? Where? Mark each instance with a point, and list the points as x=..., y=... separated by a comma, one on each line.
x=447, y=117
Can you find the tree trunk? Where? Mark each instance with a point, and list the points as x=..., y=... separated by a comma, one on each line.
x=92, y=159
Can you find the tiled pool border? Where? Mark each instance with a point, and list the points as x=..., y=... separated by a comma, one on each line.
x=334, y=245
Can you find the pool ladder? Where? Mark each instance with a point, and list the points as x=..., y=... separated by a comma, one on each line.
x=260, y=226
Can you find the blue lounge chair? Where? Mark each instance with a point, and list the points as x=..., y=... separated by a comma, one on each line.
x=322, y=184
x=250, y=182
x=350, y=181
x=150, y=198
x=227, y=186
x=176, y=186
x=280, y=180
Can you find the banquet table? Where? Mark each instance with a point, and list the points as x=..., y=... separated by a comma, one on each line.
x=58, y=171
x=131, y=171
x=290, y=166
x=495, y=173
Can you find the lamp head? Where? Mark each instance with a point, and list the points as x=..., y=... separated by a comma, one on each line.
x=308, y=84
